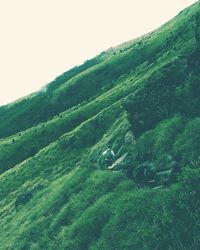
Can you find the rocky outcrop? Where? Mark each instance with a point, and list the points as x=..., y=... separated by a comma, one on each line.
x=118, y=164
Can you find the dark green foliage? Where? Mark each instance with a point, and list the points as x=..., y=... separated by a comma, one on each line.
x=158, y=95
x=142, y=99
x=189, y=96
x=23, y=198
x=187, y=145
x=197, y=29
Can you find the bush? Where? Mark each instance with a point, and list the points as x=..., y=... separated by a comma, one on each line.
x=187, y=145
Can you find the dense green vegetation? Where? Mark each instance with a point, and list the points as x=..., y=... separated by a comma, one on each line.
x=142, y=99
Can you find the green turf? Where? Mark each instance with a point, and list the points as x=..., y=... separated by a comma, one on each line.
x=55, y=192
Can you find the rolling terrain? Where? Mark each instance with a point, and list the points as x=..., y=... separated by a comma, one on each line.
x=142, y=99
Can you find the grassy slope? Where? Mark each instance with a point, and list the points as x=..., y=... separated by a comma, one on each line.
x=25, y=144
x=59, y=197
x=100, y=72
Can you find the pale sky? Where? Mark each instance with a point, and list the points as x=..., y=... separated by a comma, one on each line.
x=40, y=39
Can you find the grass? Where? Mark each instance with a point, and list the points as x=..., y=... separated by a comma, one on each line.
x=55, y=192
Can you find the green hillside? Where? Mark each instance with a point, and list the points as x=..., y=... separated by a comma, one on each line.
x=140, y=98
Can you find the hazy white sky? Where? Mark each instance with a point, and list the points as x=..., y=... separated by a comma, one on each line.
x=41, y=39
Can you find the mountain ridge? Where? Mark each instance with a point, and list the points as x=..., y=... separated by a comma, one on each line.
x=141, y=98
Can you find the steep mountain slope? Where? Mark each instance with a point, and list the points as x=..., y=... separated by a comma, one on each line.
x=142, y=98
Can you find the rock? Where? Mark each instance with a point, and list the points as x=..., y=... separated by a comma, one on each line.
x=118, y=162
x=158, y=187
x=163, y=177
x=129, y=138
x=152, y=183
x=144, y=171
